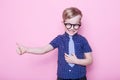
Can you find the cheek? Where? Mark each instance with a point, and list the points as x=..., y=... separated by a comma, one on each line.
x=76, y=31
x=65, y=29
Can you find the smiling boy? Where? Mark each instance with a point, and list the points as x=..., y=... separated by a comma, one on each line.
x=74, y=52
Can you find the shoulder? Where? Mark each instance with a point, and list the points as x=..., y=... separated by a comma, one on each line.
x=81, y=37
x=59, y=37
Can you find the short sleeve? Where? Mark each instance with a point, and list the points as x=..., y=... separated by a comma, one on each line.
x=86, y=46
x=55, y=42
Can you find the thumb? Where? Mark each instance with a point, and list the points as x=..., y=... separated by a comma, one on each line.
x=17, y=44
x=19, y=49
x=73, y=54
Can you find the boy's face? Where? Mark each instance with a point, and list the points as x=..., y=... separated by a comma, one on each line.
x=72, y=25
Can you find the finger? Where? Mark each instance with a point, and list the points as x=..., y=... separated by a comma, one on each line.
x=67, y=60
x=17, y=44
x=66, y=55
x=18, y=51
x=73, y=55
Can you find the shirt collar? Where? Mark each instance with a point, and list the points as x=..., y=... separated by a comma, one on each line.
x=66, y=34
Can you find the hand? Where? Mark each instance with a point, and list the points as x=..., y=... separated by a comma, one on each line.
x=71, y=58
x=21, y=49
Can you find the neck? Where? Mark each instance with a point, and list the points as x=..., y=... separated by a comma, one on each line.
x=70, y=35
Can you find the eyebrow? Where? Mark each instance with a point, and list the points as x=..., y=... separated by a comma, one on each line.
x=72, y=23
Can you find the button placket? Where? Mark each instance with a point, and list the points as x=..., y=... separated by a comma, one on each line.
x=69, y=70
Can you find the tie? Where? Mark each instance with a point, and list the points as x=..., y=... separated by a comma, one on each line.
x=71, y=49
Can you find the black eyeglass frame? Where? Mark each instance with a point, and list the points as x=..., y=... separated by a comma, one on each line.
x=72, y=25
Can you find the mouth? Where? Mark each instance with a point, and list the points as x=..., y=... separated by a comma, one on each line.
x=72, y=31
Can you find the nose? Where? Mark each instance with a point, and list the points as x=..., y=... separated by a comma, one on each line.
x=72, y=27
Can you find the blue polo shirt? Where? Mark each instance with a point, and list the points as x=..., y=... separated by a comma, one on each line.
x=81, y=46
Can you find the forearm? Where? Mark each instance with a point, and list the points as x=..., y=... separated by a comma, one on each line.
x=35, y=50
x=39, y=51
x=84, y=62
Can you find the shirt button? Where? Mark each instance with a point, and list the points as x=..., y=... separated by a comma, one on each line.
x=69, y=70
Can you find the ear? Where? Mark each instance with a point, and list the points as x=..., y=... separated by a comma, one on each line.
x=62, y=22
x=80, y=23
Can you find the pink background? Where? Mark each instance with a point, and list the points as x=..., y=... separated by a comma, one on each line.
x=35, y=23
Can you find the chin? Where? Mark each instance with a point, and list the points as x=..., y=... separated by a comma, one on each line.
x=72, y=33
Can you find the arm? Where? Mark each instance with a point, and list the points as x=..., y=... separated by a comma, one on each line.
x=73, y=59
x=88, y=60
x=42, y=50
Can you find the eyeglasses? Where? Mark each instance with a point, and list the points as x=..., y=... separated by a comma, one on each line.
x=69, y=26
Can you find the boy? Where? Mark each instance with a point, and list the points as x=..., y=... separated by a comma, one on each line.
x=74, y=52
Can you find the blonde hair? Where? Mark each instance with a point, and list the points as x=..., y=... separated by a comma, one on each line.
x=68, y=13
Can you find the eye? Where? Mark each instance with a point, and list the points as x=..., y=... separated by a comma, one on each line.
x=76, y=26
x=67, y=25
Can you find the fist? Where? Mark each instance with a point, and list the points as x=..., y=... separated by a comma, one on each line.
x=21, y=49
